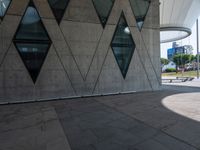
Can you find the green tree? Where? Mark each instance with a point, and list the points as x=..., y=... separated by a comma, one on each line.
x=181, y=59
x=195, y=57
x=164, y=61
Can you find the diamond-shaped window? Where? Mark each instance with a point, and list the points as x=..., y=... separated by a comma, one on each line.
x=32, y=41
x=103, y=8
x=140, y=9
x=58, y=7
x=123, y=45
x=4, y=4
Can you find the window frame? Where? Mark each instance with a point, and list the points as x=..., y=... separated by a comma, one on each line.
x=64, y=11
x=32, y=41
x=2, y=17
x=103, y=25
x=132, y=53
x=140, y=29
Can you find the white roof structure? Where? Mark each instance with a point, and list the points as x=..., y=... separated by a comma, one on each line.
x=177, y=18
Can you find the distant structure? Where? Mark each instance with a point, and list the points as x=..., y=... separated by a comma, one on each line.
x=171, y=64
x=176, y=49
x=174, y=45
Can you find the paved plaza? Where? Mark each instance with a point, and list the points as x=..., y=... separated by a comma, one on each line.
x=165, y=120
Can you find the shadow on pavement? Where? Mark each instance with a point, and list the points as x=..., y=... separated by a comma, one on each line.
x=138, y=121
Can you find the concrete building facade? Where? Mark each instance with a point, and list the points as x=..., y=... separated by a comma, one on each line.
x=80, y=60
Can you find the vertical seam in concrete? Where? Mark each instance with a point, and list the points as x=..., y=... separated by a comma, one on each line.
x=64, y=69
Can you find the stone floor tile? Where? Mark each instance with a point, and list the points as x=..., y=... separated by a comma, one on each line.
x=172, y=144
x=149, y=145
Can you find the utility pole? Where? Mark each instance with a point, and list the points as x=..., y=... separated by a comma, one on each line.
x=197, y=24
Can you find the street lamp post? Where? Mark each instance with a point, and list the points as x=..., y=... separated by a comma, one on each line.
x=197, y=24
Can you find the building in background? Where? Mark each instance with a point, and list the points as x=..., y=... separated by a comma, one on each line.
x=176, y=49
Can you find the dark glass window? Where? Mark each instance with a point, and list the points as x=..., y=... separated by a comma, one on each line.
x=31, y=26
x=58, y=7
x=4, y=4
x=32, y=41
x=103, y=8
x=33, y=56
x=123, y=45
x=140, y=9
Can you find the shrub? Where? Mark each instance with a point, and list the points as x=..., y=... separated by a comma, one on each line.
x=170, y=70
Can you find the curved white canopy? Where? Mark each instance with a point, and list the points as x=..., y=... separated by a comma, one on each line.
x=177, y=18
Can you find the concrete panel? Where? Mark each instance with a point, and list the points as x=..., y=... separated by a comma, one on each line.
x=119, y=6
x=15, y=81
x=7, y=32
x=83, y=11
x=145, y=58
x=133, y=82
x=44, y=9
x=112, y=81
x=17, y=7
x=100, y=56
x=83, y=40
x=80, y=60
x=64, y=53
x=53, y=81
x=152, y=19
x=151, y=40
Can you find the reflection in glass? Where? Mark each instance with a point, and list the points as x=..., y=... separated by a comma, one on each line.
x=31, y=26
x=58, y=7
x=3, y=7
x=140, y=9
x=33, y=56
x=32, y=41
x=123, y=45
x=103, y=8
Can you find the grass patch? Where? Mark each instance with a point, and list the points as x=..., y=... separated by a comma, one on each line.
x=180, y=74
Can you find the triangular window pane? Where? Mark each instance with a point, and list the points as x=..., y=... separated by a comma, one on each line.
x=31, y=26
x=140, y=9
x=58, y=7
x=103, y=8
x=4, y=4
x=33, y=56
x=123, y=45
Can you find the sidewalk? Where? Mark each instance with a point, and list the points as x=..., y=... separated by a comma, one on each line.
x=193, y=83
x=162, y=120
